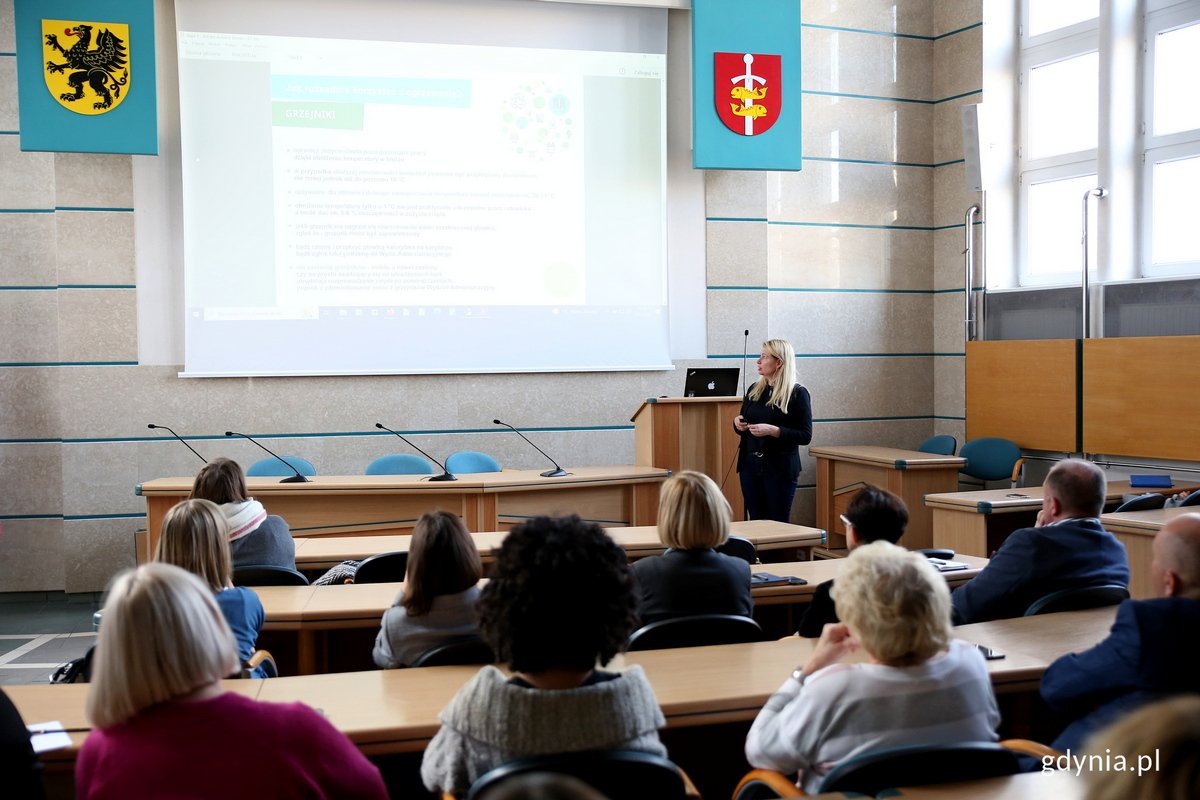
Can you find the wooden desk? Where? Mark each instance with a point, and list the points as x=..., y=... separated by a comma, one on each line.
x=325, y=551
x=907, y=473
x=309, y=610
x=1136, y=530
x=976, y=523
x=490, y=501
x=1026, y=786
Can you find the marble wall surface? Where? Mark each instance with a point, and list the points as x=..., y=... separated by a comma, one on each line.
x=855, y=259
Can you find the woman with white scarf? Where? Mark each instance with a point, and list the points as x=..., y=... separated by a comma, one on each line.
x=255, y=537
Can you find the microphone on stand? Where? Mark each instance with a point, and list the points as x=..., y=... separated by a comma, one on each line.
x=745, y=351
x=557, y=472
x=297, y=478
x=154, y=427
x=445, y=476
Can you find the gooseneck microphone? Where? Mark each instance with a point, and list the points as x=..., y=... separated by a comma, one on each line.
x=445, y=476
x=297, y=478
x=154, y=427
x=745, y=352
x=557, y=472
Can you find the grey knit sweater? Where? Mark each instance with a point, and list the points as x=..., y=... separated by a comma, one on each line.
x=491, y=721
x=403, y=639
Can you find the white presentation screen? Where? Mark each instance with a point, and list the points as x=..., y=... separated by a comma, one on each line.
x=399, y=187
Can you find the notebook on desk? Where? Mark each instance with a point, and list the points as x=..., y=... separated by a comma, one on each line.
x=947, y=566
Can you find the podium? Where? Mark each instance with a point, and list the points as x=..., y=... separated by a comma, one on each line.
x=695, y=433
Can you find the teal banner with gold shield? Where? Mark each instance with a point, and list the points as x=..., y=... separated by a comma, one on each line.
x=85, y=76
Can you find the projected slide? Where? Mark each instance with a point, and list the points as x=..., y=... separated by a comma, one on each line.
x=358, y=206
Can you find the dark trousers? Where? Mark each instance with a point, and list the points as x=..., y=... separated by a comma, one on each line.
x=767, y=490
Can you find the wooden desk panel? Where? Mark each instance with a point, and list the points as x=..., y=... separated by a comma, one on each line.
x=1003, y=401
x=1136, y=530
x=908, y=473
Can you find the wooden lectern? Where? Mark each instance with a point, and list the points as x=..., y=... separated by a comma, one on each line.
x=696, y=433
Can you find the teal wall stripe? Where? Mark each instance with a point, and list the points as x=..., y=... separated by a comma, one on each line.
x=869, y=162
x=67, y=286
x=824, y=290
x=26, y=210
x=957, y=31
x=71, y=517
x=885, y=98
x=840, y=224
x=872, y=419
x=957, y=96
x=849, y=355
x=10, y=133
x=942, y=416
x=91, y=208
x=867, y=31
x=68, y=364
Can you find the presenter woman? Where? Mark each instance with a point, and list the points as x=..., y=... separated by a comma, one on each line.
x=776, y=419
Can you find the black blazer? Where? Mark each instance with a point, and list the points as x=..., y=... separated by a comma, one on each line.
x=821, y=610
x=795, y=429
x=683, y=582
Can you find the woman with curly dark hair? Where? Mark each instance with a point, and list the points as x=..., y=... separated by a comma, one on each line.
x=560, y=599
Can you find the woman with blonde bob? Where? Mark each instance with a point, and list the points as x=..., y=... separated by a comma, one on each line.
x=194, y=537
x=255, y=537
x=918, y=686
x=163, y=719
x=692, y=577
x=440, y=592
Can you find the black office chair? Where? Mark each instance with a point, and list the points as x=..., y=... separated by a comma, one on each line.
x=264, y=575
x=1143, y=502
x=739, y=547
x=1078, y=599
x=613, y=773
x=1192, y=499
x=696, y=630
x=464, y=650
x=382, y=568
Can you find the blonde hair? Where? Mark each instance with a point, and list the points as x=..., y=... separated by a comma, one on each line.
x=162, y=638
x=1169, y=733
x=195, y=537
x=785, y=378
x=895, y=602
x=692, y=512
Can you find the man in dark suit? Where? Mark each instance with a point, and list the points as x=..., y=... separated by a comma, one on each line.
x=1151, y=652
x=872, y=515
x=1066, y=549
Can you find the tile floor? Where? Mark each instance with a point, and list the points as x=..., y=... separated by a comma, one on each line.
x=39, y=633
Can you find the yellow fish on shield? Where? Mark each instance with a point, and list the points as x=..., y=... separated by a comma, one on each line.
x=89, y=74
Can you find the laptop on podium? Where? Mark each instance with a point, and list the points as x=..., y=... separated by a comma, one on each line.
x=716, y=382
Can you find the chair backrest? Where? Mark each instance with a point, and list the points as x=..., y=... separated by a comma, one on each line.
x=400, y=464
x=695, y=630
x=259, y=660
x=941, y=445
x=990, y=458
x=464, y=462
x=1192, y=499
x=1078, y=599
x=265, y=575
x=382, y=568
x=875, y=772
x=614, y=773
x=458, y=651
x=275, y=467
x=1144, y=502
x=740, y=547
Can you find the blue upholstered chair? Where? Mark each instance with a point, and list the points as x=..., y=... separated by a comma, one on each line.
x=275, y=467
x=466, y=462
x=993, y=459
x=400, y=464
x=941, y=445
x=1144, y=502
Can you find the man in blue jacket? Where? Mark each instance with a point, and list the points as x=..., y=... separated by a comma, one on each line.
x=1151, y=652
x=1066, y=549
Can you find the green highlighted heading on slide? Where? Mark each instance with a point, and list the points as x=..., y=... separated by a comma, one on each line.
x=345, y=116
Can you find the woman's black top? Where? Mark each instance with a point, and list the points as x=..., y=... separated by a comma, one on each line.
x=795, y=429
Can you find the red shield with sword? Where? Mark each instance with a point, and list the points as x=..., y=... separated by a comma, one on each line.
x=747, y=91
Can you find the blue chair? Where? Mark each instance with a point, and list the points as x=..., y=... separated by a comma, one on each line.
x=276, y=468
x=941, y=445
x=1143, y=502
x=267, y=575
x=466, y=462
x=993, y=459
x=400, y=464
x=1078, y=599
x=612, y=773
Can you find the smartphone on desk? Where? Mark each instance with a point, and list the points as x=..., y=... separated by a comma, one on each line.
x=989, y=654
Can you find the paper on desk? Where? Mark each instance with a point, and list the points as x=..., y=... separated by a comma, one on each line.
x=47, y=736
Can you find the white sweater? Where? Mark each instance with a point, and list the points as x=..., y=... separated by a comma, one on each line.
x=845, y=710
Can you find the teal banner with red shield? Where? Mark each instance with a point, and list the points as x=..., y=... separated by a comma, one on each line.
x=746, y=84
x=86, y=76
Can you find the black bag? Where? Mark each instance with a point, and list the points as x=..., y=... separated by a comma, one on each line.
x=77, y=670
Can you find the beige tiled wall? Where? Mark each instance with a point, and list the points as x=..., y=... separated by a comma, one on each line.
x=842, y=258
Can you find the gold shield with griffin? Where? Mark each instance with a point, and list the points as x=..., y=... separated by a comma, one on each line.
x=87, y=64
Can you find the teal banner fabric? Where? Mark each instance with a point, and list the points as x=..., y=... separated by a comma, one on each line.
x=746, y=84
x=86, y=76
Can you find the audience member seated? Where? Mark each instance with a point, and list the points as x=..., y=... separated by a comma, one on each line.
x=18, y=765
x=918, y=686
x=559, y=600
x=692, y=577
x=1160, y=745
x=255, y=537
x=166, y=727
x=874, y=514
x=1066, y=549
x=1151, y=652
x=194, y=538
x=440, y=592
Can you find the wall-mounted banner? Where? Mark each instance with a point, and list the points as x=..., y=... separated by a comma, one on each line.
x=85, y=76
x=746, y=84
